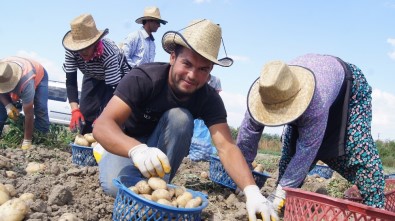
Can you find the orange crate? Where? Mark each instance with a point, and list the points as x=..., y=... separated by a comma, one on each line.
x=306, y=206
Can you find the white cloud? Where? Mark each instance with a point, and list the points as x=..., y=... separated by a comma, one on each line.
x=235, y=105
x=55, y=71
x=383, y=118
x=391, y=54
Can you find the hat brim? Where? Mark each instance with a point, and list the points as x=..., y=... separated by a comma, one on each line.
x=141, y=19
x=71, y=45
x=13, y=82
x=285, y=112
x=172, y=38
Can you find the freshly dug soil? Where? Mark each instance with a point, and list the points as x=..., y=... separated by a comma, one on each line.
x=63, y=187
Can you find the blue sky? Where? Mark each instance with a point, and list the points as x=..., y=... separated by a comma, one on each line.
x=361, y=32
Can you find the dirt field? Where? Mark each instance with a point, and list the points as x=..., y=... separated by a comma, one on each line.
x=63, y=187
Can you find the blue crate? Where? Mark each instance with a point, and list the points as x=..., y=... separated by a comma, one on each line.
x=82, y=155
x=220, y=176
x=322, y=170
x=130, y=206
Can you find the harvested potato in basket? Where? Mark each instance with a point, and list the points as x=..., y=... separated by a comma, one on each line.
x=156, y=189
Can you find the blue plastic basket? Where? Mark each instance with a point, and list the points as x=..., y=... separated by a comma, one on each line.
x=322, y=170
x=220, y=176
x=82, y=155
x=130, y=206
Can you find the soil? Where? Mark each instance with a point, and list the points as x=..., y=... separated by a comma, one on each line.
x=63, y=187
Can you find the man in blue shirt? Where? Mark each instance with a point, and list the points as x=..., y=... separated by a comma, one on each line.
x=139, y=46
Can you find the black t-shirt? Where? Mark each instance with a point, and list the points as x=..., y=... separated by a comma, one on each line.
x=146, y=90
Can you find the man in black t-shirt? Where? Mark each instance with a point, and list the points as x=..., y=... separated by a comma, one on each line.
x=147, y=126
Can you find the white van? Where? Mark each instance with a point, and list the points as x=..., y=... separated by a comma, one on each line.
x=58, y=105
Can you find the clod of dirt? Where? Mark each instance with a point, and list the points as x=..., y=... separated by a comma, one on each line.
x=60, y=196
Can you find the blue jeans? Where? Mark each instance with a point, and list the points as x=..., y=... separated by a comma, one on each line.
x=172, y=135
x=41, y=118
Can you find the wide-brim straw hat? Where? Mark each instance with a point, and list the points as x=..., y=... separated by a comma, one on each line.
x=83, y=33
x=151, y=13
x=10, y=74
x=202, y=36
x=281, y=94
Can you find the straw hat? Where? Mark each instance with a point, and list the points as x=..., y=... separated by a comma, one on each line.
x=281, y=94
x=151, y=13
x=83, y=33
x=202, y=36
x=10, y=73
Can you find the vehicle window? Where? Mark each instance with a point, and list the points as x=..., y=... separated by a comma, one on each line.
x=57, y=93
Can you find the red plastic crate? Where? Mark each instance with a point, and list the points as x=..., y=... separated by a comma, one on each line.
x=353, y=194
x=306, y=206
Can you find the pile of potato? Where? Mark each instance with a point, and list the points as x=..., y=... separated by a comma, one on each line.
x=257, y=167
x=13, y=209
x=156, y=189
x=86, y=140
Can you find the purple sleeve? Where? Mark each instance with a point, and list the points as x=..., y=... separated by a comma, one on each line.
x=307, y=145
x=250, y=133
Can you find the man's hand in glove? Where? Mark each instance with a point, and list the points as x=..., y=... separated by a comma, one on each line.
x=258, y=204
x=278, y=199
x=12, y=112
x=76, y=120
x=149, y=160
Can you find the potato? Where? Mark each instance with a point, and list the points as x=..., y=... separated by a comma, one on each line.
x=4, y=162
x=4, y=194
x=11, y=189
x=134, y=189
x=184, y=198
x=165, y=202
x=193, y=203
x=10, y=174
x=89, y=137
x=81, y=141
x=69, y=217
x=254, y=164
x=172, y=191
x=13, y=210
x=147, y=196
x=34, y=167
x=143, y=187
x=160, y=194
x=28, y=198
x=179, y=191
x=204, y=175
x=4, y=197
x=157, y=183
x=259, y=168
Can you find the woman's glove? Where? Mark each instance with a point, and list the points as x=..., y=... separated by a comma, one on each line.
x=12, y=112
x=149, y=160
x=77, y=120
x=278, y=199
x=258, y=204
x=26, y=144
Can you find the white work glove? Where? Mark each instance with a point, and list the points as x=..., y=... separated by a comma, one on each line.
x=12, y=112
x=149, y=160
x=278, y=199
x=258, y=204
x=26, y=144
